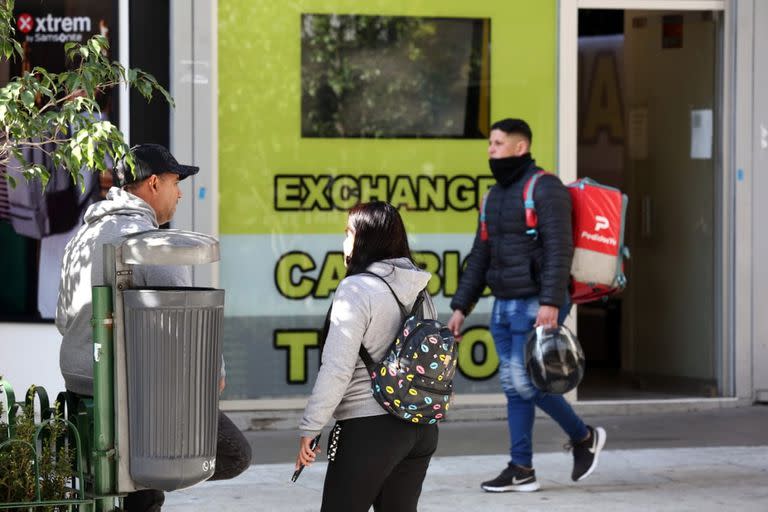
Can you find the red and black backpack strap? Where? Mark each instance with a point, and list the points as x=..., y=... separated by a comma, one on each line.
x=483, y=223
x=531, y=219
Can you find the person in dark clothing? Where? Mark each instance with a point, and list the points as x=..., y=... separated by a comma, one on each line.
x=528, y=274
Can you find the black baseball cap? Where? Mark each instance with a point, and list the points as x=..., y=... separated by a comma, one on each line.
x=149, y=159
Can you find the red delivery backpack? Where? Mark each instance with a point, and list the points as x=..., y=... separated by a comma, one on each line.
x=598, y=219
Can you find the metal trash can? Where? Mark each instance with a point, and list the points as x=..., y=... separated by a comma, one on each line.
x=173, y=355
x=167, y=363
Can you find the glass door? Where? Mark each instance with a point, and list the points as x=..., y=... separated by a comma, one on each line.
x=648, y=123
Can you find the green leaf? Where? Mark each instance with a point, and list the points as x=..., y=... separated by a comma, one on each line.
x=77, y=156
x=28, y=99
x=89, y=89
x=89, y=151
x=42, y=173
x=76, y=81
x=59, y=107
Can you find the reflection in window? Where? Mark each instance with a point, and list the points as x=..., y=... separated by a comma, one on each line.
x=30, y=263
x=379, y=76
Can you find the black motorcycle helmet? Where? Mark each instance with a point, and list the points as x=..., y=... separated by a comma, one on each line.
x=554, y=359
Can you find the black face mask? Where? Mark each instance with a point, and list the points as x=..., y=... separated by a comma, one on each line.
x=508, y=170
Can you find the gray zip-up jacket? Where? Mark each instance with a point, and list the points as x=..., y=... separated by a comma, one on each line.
x=120, y=214
x=363, y=311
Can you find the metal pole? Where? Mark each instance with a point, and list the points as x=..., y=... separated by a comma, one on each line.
x=103, y=397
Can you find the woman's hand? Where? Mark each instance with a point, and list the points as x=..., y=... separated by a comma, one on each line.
x=306, y=454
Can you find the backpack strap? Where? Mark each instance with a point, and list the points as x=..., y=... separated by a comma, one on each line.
x=531, y=219
x=402, y=307
x=366, y=357
x=364, y=354
x=483, y=223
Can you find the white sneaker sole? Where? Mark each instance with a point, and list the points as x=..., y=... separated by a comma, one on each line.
x=531, y=487
x=601, y=436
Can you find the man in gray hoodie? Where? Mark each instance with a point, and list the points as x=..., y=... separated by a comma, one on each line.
x=142, y=200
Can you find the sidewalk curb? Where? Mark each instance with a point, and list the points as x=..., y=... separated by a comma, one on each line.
x=284, y=414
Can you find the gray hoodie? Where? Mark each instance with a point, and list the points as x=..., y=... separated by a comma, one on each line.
x=363, y=311
x=120, y=214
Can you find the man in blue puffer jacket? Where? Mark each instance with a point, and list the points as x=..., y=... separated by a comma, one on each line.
x=528, y=276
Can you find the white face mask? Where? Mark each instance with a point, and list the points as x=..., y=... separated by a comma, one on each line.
x=349, y=243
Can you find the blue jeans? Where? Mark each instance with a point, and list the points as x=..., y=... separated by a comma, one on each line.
x=511, y=322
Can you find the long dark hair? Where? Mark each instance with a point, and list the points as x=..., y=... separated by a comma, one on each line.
x=379, y=235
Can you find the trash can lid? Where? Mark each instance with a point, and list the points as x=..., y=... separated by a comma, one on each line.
x=169, y=247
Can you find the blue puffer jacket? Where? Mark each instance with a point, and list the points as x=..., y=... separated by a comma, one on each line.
x=515, y=264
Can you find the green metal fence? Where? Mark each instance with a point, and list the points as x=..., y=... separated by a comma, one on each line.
x=70, y=443
x=28, y=466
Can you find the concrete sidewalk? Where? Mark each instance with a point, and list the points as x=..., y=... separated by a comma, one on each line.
x=670, y=479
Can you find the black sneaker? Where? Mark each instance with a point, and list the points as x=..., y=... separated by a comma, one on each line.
x=586, y=453
x=513, y=478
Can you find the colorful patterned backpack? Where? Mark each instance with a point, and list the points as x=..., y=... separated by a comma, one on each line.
x=414, y=381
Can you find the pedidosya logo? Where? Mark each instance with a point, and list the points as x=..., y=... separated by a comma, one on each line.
x=600, y=223
x=54, y=29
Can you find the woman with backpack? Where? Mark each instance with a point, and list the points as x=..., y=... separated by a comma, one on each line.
x=374, y=458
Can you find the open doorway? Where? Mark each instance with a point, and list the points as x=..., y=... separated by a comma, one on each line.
x=653, y=135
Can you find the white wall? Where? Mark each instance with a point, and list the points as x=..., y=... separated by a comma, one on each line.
x=194, y=121
x=29, y=354
x=759, y=142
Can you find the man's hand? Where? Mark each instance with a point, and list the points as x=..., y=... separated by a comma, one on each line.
x=547, y=316
x=455, y=323
x=222, y=383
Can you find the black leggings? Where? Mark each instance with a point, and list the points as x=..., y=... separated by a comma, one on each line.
x=379, y=461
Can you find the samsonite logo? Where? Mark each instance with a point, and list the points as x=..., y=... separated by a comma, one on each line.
x=25, y=23
x=54, y=29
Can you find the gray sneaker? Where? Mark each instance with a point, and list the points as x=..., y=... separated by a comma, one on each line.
x=513, y=478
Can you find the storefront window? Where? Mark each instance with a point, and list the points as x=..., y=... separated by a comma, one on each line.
x=30, y=259
x=320, y=108
x=393, y=76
